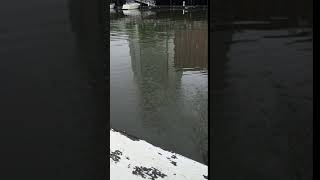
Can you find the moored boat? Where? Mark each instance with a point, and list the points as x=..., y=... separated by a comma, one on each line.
x=112, y=5
x=132, y=12
x=131, y=5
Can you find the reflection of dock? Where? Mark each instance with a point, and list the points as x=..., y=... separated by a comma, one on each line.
x=191, y=49
x=135, y=159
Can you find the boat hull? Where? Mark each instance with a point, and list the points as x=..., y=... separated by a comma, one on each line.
x=130, y=6
x=112, y=6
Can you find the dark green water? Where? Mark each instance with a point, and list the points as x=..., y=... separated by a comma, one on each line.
x=159, y=78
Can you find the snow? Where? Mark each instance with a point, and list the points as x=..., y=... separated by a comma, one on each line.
x=134, y=159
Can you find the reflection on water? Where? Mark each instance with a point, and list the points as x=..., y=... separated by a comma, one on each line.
x=159, y=83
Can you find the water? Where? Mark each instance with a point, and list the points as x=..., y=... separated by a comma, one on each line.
x=159, y=78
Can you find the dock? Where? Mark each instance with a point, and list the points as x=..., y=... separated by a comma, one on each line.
x=135, y=159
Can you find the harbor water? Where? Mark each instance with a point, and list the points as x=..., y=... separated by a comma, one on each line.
x=159, y=78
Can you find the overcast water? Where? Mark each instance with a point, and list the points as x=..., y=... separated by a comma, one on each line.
x=159, y=78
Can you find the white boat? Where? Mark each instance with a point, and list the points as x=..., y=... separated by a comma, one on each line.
x=132, y=12
x=112, y=5
x=131, y=5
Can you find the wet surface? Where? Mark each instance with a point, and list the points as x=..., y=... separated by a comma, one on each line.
x=159, y=83
x=52, y=90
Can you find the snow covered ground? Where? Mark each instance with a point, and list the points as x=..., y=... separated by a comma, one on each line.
x=134, y=159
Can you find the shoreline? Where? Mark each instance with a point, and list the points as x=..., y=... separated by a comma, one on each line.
x=136, y=159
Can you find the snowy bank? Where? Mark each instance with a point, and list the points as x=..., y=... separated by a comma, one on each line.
x=134, y=159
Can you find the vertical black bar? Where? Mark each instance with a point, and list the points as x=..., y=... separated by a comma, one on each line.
x=269, y=135
x=316, y=73
x=53, y=90
x=210, y=93
x=106, y=33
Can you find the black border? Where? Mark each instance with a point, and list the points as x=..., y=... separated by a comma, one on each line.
x=316, y=118
x=105, y=21
x=210, y=153
x=316, y=75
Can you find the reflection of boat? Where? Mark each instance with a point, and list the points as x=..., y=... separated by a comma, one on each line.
x=148, y=13
x=112, y=11
x=131, y=5
x=112, y=5
x=133, y=12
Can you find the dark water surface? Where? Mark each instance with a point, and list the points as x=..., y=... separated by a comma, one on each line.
x=159, y=78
